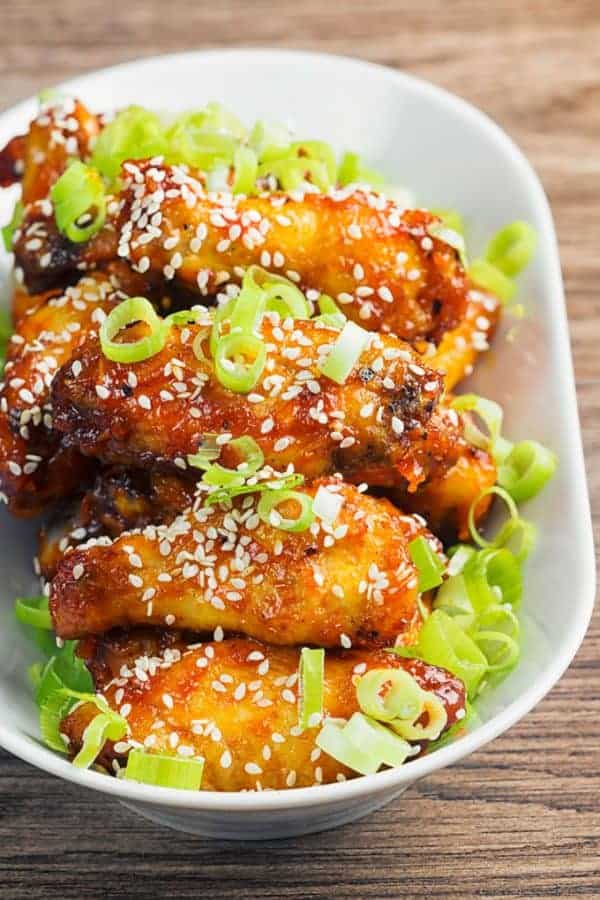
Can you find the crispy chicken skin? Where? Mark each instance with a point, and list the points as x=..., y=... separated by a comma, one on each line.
x=158, y=411
x=118, y=500
x=212, y=567
x=381, y=264
x=234, y=703
x=60, y=132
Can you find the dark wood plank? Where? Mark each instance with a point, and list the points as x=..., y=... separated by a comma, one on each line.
x=519, y=818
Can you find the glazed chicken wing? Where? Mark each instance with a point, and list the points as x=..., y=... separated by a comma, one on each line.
x=235, y=704
x=48, y=332
x=351, y=582
x=60, y=132
x=158, y=411
x=42, y=342
x=384, y=266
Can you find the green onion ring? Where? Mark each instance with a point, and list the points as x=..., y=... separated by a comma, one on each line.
x=236, y=375
x=526, y=470
x=252, y=460
x=387, y=694
x=515, y=528
x=270, y=500
x=134, y=309
x=512, y=248
x=78, y=191
x=103, y=727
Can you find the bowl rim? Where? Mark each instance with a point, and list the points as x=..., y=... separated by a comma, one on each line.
x=29, y=750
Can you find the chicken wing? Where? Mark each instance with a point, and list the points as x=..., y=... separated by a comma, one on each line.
x=385, y=266
x=235, y=704
x=45, y=339
x=61, y=131
x=158, y=411
x=353, y=581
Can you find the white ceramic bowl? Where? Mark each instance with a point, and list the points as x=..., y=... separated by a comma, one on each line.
x=451, y=155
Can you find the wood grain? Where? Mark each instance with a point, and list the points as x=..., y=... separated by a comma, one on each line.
x=521, y=817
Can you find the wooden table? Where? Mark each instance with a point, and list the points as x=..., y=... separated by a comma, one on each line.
x=521, y=817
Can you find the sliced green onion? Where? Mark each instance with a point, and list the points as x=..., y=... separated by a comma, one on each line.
x=514, y=527
x=385, y=746
x=52, y=712
x=269, y=514
x=442, y=642
x=453, y=599
x=269, y=140
x=526, y=470
x=452, y=219
x=105, y=726
x=79, y=192
x=500, y=650
x=362, y=744
x=187, y=317
x=252, y=460
x=312, y=673
x=293, y=174
x=246, y=169
x=134, y=309
x=227, y=494
x=206, y=454
x=64, y=670
x=135, y=133
x=435, y=712
x=493, y=569
x=34, y=673
x=164, y=771
x=231, y=367
x=512, y=248
x=247, y=309
x=287, y=300
x=33, y=611
x=492, y=414
x=334, y=741
x=345, y=353
x=317, y=150
x=387, y=694
x=491, y=279
x=499, y=618
x=429, y=564
x=330, y=313
x=352, y=171
x=221, y=314
x=8, y=231
x=459, y=555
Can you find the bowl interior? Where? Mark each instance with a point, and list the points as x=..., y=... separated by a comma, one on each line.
x=449, y=155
